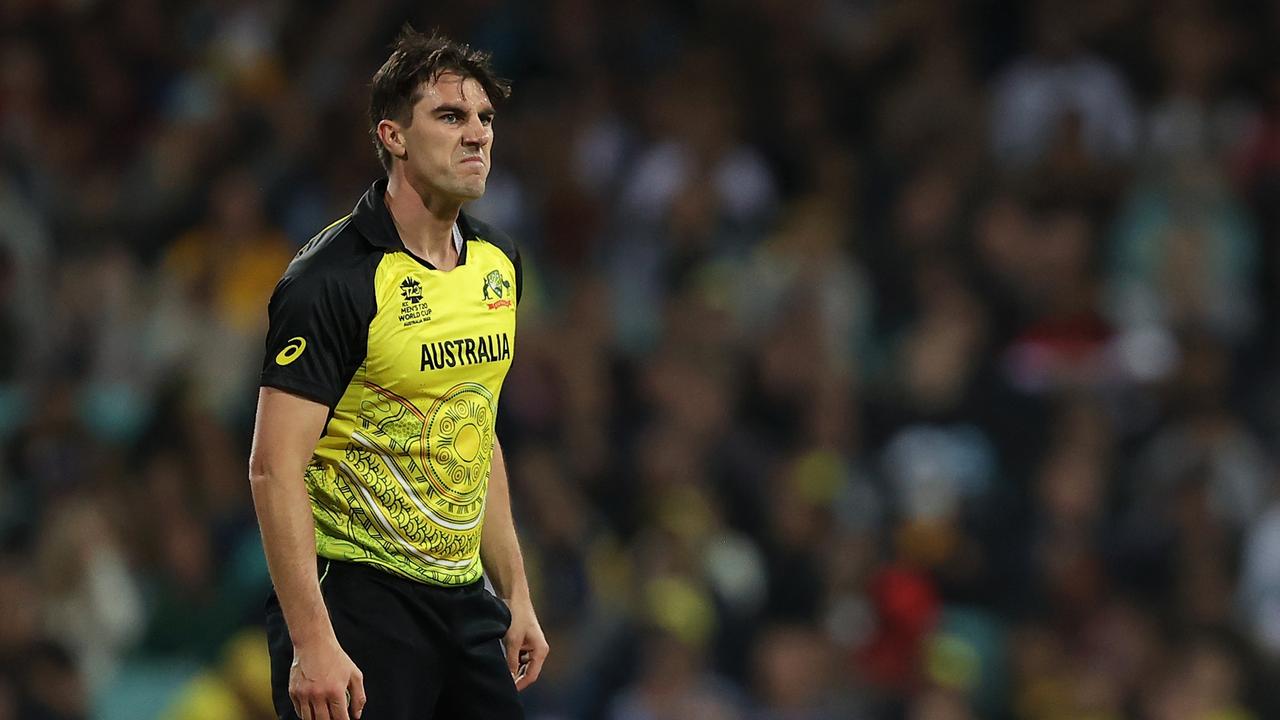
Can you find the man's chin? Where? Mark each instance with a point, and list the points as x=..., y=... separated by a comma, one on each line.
x=471, y=190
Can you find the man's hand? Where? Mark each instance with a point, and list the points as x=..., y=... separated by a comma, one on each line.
x=525, y=644
x=323, y=681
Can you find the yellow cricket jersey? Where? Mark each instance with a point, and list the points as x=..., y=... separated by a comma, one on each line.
x=411, y=361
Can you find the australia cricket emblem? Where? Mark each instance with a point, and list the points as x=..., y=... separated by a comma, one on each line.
x=496, y=289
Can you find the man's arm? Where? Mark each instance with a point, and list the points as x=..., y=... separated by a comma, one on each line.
x=525, y=643
x=284, y=437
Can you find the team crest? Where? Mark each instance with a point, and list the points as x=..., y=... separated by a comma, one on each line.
x=412, y=308
x=496, y=288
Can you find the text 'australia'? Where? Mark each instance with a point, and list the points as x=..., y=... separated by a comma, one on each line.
x=465, y=351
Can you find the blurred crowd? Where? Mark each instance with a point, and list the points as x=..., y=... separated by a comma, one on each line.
x=877, y=359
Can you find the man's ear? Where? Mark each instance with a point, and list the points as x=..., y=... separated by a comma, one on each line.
x=392, y=137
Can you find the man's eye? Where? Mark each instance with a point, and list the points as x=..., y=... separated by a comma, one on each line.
x=449, y=117
x=486, y=120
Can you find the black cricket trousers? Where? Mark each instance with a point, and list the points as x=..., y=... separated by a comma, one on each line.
x=427, y=652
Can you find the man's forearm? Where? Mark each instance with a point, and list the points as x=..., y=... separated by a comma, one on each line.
x=288, y=538
x=499, y=547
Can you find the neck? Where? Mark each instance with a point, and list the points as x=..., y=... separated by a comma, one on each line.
x=425, y=221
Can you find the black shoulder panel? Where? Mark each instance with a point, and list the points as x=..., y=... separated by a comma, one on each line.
x=319, y=315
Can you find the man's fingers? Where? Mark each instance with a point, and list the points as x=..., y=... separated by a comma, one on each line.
x=513, y=656
x=356, y=688
x=323, y=709
x=324, y=706
x=302, y=707
x=532, y=670
x=337, y=707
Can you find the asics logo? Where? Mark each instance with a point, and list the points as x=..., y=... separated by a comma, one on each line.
x=291, y=351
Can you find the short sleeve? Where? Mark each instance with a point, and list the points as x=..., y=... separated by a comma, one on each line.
x=317, y=336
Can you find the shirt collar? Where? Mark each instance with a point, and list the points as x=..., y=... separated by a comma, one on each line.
x=373, y=220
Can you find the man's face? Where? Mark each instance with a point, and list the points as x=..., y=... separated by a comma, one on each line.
x=447, y=145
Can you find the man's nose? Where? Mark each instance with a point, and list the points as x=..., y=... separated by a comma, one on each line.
x=477, y=133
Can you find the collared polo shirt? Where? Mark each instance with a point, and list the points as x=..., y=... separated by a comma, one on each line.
x=410, y=360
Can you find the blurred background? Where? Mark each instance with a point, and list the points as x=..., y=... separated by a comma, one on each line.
x=878, y=359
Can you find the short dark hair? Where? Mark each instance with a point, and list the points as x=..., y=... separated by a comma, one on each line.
x=418, y=58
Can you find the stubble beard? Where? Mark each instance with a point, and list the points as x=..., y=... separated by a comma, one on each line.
x=467, y=192
x=471, y=188
x=460, y=188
